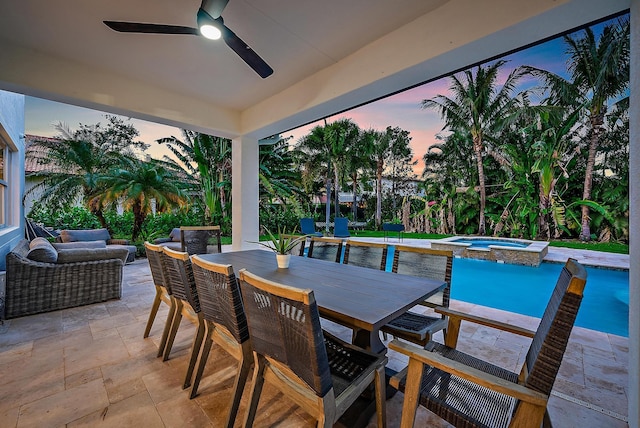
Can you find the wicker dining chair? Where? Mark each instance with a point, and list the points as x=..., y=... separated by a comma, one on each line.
x=329, y=249
x=433, y=264
x=319, y=372
x=197, y=239
x=225, y=322
x=163, y=293
x=298, y=250
x=179, y=272
x=469, y=392
x=366, y=254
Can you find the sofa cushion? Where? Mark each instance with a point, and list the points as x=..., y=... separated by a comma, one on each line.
x=85, y=235
x=175, y=234
x=41, y=250
x=79, y=244
x=75, y=255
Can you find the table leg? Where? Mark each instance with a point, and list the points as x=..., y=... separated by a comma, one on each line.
x=369, y=340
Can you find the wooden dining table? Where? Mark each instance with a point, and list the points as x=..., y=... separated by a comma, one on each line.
x=360, y=298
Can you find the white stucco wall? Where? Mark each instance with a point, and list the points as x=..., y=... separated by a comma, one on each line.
x=12, y=134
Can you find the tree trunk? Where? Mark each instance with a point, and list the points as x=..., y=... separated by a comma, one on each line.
x=596, y=123
x=336, y=186
x=477, y=148
x=354, y=206
x=327, y=205
x=379, y=168
x=543, y=219
x=138, y=219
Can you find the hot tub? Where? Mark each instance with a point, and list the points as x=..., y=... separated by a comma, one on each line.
x=501, y=250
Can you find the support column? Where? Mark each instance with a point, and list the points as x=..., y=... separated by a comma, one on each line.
x=634, y=219
x=244, y=193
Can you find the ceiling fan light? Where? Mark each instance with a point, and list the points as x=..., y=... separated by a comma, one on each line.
x=208, y=26
x=210, y=32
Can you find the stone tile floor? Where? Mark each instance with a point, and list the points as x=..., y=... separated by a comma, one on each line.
x=90, y=366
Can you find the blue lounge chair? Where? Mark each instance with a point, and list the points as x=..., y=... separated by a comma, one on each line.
x=308, y=227
x=341, y=227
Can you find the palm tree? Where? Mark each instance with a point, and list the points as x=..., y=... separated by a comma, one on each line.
x=343, y=136
x=278, y=178
x=317, y=162
x=599, y=70
x=391, y=144
x=137, y=183
x=206, y=160
x=74, y=162
x=479, y=108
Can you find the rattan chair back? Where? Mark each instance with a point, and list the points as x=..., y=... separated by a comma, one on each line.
x=197, y=239
x=179, y=275
x=298, y=250
x=219, y=296
x=366, y=254
x=154, y=256
x=550, y=341
x=329, y=249
x=427, y=263
x=284, y=325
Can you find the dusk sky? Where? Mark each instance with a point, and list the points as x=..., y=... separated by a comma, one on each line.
x=402, y=110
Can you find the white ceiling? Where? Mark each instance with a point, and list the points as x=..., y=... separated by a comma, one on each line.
x=327, y=55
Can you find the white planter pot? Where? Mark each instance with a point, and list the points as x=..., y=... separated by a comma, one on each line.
x=283, y=260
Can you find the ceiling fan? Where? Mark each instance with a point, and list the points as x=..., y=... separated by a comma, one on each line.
x=210, y=25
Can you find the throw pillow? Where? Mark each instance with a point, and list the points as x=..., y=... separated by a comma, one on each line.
x=85, y=235
x=41, y=250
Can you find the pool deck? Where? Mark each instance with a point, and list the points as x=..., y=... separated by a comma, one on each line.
x=90, y=366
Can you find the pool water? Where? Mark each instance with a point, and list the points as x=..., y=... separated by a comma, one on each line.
x=484, y=243
x=526, y=290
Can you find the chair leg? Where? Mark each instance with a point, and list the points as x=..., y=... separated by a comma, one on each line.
x=175, y=323
x=154, y=311
x=204, y=355
x=195, y=351
x=244, y=366
x=256, y=389
x=381, y=397
x=411, y=394
x=167, y=327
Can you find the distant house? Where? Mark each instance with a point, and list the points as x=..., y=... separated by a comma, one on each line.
x=32, y=152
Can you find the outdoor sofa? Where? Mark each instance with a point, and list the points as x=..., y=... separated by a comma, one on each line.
x=43, y=277
x=84, y=236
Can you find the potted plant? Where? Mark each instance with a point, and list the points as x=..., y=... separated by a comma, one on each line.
x=282, y=246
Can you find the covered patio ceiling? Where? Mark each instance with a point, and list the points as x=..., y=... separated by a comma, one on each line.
x=328, y=56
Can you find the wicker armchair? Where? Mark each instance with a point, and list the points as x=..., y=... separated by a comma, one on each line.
x=428, y=263
x=196, y=239
x=88, y=276
x=225, y=322
x=366, y=254
x=179, y=274
x=319, y=372
x=329, y=249
x=468, y=392
x=163, y=294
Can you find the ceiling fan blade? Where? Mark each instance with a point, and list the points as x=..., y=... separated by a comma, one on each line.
x=214, y=7
x=138, y=27
x=245, y=52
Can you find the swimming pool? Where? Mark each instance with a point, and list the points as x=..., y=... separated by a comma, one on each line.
x=526, y=290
